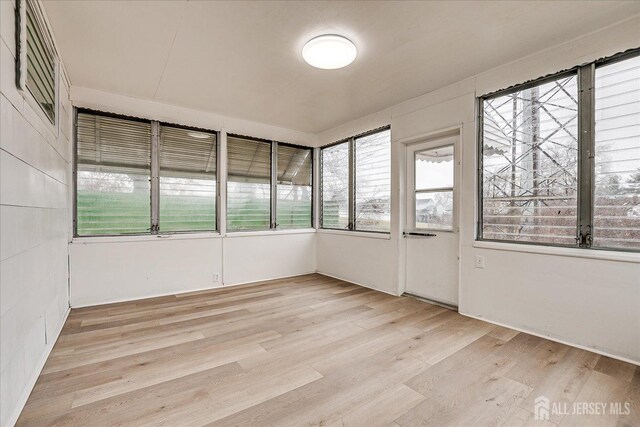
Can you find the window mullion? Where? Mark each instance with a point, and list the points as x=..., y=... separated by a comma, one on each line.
x=480, y=169
x=75, y=171
x=320, y=189
x=315, y=187
x=352, y=184
x=155, y=177
x=586, y=154
x=274, y=184
x=221, y=182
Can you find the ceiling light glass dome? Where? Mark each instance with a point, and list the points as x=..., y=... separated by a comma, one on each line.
x=329, y=52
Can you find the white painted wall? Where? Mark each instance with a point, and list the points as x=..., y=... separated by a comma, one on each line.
x=590, y=302
x=273, y=255
x=367, y=260
x=34, y=212
x=121, y=269
x=111, y=269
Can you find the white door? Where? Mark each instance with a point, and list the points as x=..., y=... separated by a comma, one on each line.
x=431, y=232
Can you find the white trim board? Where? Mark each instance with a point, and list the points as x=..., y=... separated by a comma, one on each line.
x=605, y=255
x=356, y=283
x=255, y=282
x=211, y=288
x=163, y=294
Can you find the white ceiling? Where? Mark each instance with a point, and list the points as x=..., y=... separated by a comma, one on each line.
x=242, y=59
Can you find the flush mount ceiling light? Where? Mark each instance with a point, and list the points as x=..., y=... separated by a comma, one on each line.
x=329, y=52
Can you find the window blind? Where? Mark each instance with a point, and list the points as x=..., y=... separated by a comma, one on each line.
x=113, y=173
x=187, y=179
x=40, y=68
x=294, y=187
x=248, y=184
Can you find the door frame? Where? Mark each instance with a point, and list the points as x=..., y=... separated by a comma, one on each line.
x=456, y=130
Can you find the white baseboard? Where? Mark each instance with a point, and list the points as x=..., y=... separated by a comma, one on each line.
x=558, y=340
x=36, y=373
x=164, y=294
x=253, y=282
x=356, y=283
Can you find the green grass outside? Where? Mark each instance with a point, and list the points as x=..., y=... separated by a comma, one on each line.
x=102, y=213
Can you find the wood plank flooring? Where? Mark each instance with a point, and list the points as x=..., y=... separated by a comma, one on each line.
x=312, y=350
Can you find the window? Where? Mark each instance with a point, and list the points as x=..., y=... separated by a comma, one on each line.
x=356, y=183
x=187, y=180
x=37, y=59
x=538, y=181
x=136, y=176
x=268, y=185
x=530, y=164
x=373, y=182
x=616, y=208
x=434, y=169
x=113, y=194
x=335, y=186
x=248, y=184
x=294, y=187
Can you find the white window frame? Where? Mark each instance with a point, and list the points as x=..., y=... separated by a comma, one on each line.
x=586, y=143
x=351, y=228
x=273, y=222
x=154, y=175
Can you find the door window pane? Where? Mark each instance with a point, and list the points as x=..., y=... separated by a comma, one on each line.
x=434, y=210
x=335, y=186
x=434, y=168
x=294, y=187
x=248, y=184
x=530, y=164
x=434, y=177
x=114, y=166
x=187, y=180
x=373, y=182
x=616, y=210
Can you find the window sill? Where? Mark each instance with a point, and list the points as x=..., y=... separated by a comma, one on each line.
x=186, y=236
x=432, y=230
x=270, y=232
x=567, y=252
x=145, y=238
x=363, y=234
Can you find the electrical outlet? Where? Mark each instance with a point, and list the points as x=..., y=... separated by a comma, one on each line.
x=216, y=278
x=479, y=261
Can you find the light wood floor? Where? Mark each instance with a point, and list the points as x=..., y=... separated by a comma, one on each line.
x=311, y=350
